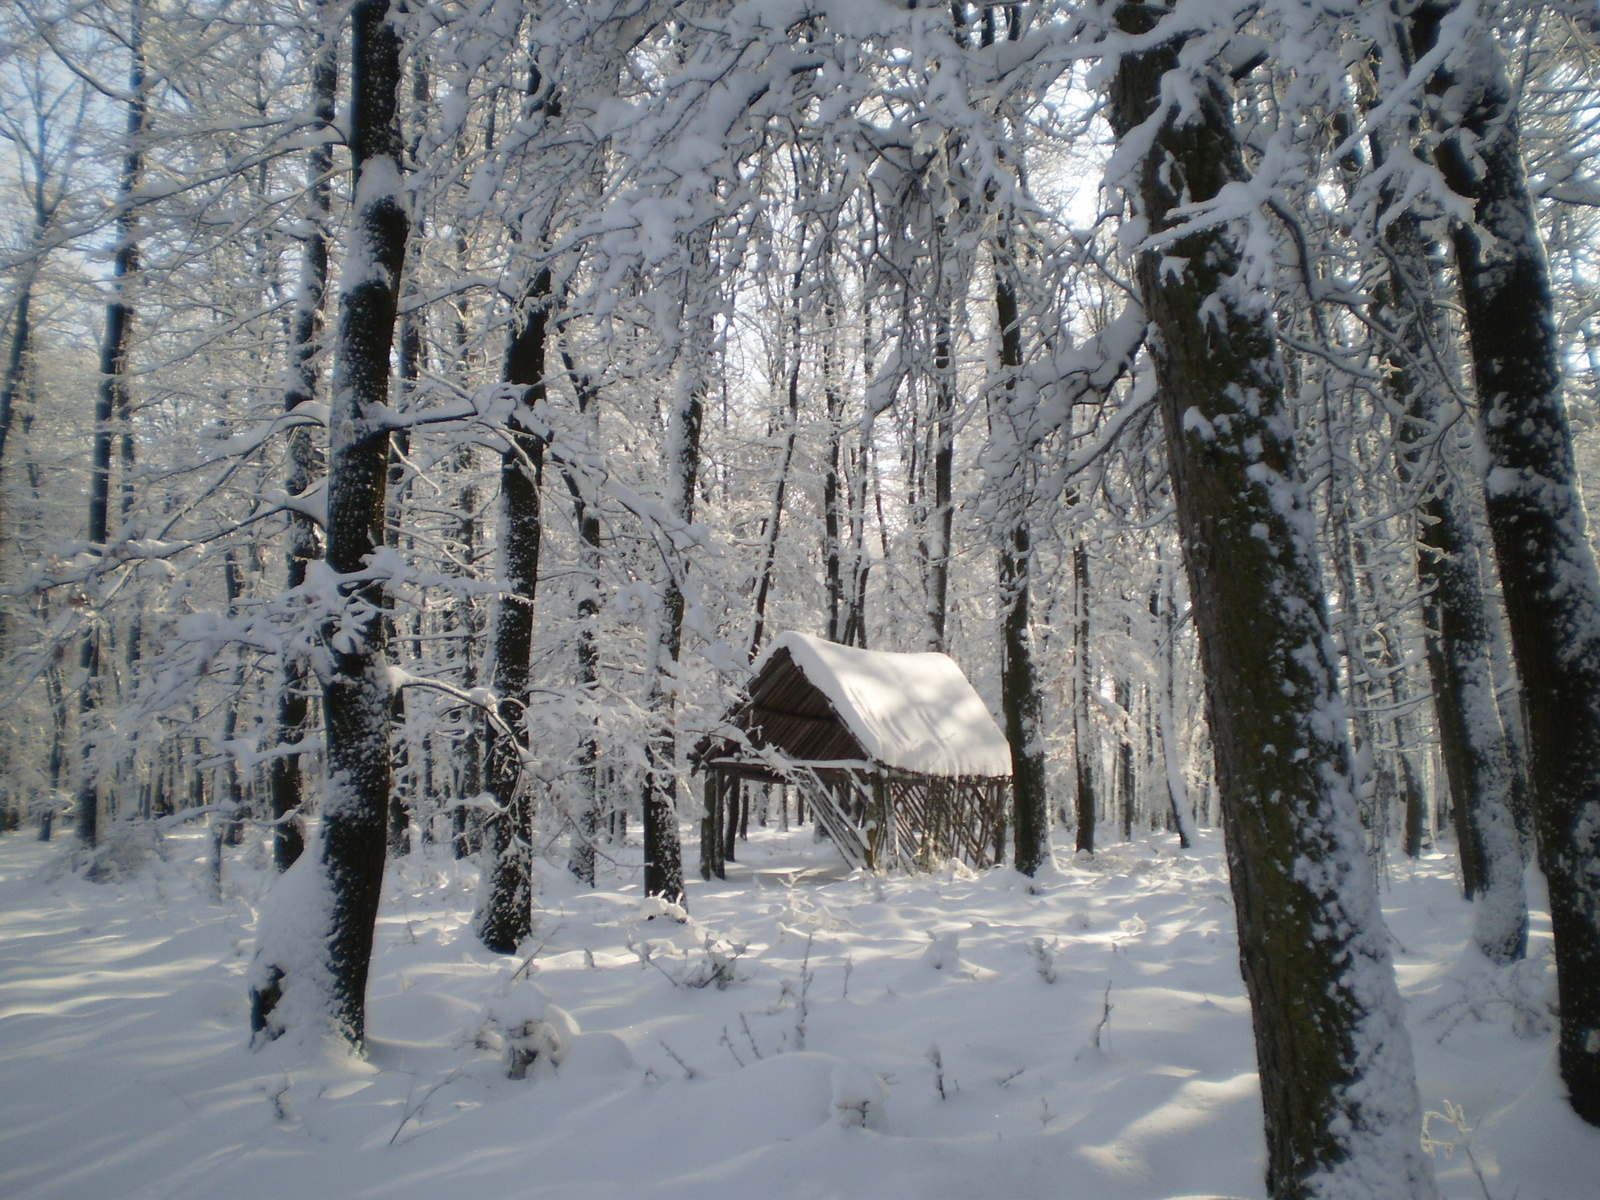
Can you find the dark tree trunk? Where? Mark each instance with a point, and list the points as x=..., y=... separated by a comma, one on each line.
x=58, y=745
x=854, y=632
x=465, y=828
x=1082, y=733
x=355, y=696
x=832, y=525
x=713, y=864
x=729, y=818
x=507, y=915
x=770, y=553
x=305, y=455
x=1459, y=624
x=1019, y=702
x=111, y=401
x=16, y=359
x=413, y=349
x=944, y=447
x=231, y=825
x=1172, y=758
x=852, y=623
x=1337, y=1080
x=1019, y=683
x=586, y=516
x=1536, y=517
x=1125, y=774
x=663, y=852
x=399, y=822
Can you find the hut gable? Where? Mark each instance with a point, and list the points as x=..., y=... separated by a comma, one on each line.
x=909, y=712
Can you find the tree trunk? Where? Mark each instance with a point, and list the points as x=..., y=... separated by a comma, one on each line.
x=943, y=515
x=355, y=696
x=586, y=516
x=1337, y=1080
x=663, y=852
x=1171, y=751
x=111, y=400
x=466, y=619
x=732, y=795
x=1123, y=691
x=832, y=524
x=1536, y=518
x=1019, y=682
x=1459, y=624
x=712, y=862
x=1082, y=732
x=232, y=823
x=770, y=552
x=305, y=456
x=17, y=358
x=507, y=915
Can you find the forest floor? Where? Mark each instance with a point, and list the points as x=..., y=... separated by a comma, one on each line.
x=807, y=1033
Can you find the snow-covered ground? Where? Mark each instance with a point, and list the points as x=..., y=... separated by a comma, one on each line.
x=805, y=1034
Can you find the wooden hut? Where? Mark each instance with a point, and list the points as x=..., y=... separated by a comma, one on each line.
x=895, y=754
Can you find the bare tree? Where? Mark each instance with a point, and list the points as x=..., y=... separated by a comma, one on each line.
x=327, y=979
x=1338, y=1086
x=1536, y=516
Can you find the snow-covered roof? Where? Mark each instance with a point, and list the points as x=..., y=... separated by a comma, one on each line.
x=914, y=712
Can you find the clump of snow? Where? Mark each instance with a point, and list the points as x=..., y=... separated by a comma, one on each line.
x=291, y=963
x=526, y=1029
x=916, y=712
x=860, y=1097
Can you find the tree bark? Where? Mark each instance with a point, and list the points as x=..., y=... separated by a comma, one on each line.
x=942, y=517
x=1122, y=690
x=832, y=525
x=231, y=825
x=1171, y=751
x=1019, y=681
x=111, y=400
x=17, y=356
x=1082, y=732
x=507, y=915
x=1460, y=626
x=355, y=695
x=305, y=457
x=1457, y=626
x=770, y=553
x=1537, y=522
x=1338, y=1085
x=663, y=851
x=586, y=516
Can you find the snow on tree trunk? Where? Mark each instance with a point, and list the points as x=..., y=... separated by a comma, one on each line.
x=1536, y=518
x=1019, y=681
x=305, y=456
x=316, y=943
x=663, y=852
x=1167, y=725
x=1457, y=621
x=1082, y=729
x=780, y=489
x=586, y=518
x=507, y=915
x=1337, y=1081
x=942, y=518
x=111, y=399
x=832, y=522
